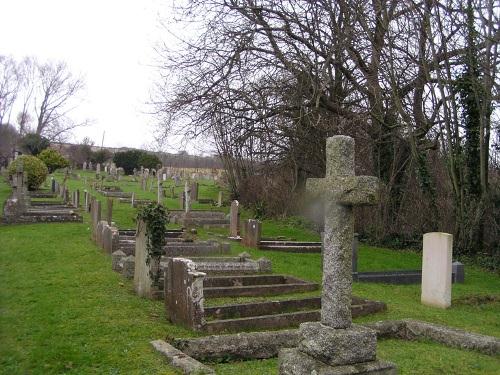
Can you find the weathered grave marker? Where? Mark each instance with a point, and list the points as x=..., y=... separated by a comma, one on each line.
x=219, y=199
x=334, y=342
x=109, y=212
x=187, y=197
x=253, y=230
x=234, y=225
x=436, y=269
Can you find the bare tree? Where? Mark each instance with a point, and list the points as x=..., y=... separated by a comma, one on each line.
x=270, y=79
x=10, y=83
x=56, y=88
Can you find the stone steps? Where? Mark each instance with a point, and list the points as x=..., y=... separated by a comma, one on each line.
x=254, y=285
x=277, y=314
x=292, y=249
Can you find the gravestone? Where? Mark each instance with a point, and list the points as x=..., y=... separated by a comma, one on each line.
x=334, y=345
x=109, y=212
x=132, y=199
x=86, y=200
x=160, y=191
x=91, y=167
x=436, y=269
x=98, y=168
x=84, y=165
x=52, y=185
x=187, y=197
x=234, y=225
x=194, y=192
x=144, y=268
x=95, y=215
x=253, y=230
x=219, y=199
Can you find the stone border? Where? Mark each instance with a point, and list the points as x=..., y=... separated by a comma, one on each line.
x=180, y=360
x=262, y=345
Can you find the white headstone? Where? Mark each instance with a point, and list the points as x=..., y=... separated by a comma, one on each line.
x=436, y=269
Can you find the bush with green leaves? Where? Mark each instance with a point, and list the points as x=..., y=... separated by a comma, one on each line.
x=53, y=159
x=35, y=168
x=131, y=159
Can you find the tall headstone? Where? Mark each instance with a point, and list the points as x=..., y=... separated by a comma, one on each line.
x=159, y=195
x=52, y=185
x=132, y=199
x=109, y=211
x=219, y=199
x=95, y=215
x=194, y=191
x=334, y=345
x=86, y=200
x=84, y=165
x=436, y=269
x=145, y=269
x=234, y=219
x=98, y=168
x=253, y=230
x=187, y=197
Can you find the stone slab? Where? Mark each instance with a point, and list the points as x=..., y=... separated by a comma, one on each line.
x=181, y=360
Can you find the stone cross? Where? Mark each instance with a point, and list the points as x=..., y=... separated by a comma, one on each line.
x=341, y=190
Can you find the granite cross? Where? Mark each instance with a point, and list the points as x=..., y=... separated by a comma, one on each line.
x=341, y=190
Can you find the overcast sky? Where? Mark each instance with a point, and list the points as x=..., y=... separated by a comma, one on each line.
x=109, y=42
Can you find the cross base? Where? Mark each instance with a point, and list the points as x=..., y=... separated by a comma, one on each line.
x=294, y=362
x=323, y=350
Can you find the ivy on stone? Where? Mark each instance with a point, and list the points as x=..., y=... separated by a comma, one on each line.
x=156, y=218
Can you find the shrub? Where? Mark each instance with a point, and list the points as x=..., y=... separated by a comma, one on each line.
x=128, y=160
x=35, y=168
x=149, y=160
x=53, y=159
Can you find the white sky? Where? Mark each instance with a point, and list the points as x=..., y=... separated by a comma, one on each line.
x=109, y=42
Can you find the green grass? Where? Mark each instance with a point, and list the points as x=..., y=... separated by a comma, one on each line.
x=63, y=310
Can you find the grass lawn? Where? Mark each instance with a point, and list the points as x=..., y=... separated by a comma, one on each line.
x=63, y=310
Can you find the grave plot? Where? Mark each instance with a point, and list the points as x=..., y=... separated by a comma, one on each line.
x=188, y=309
x=199, y=218
x=114, y=192
x=19, y=208
x=398, y=277
x=252, y=238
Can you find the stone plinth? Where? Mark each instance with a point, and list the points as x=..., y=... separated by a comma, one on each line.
x=338, y=346
x=436, y=269
x=294, y=362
